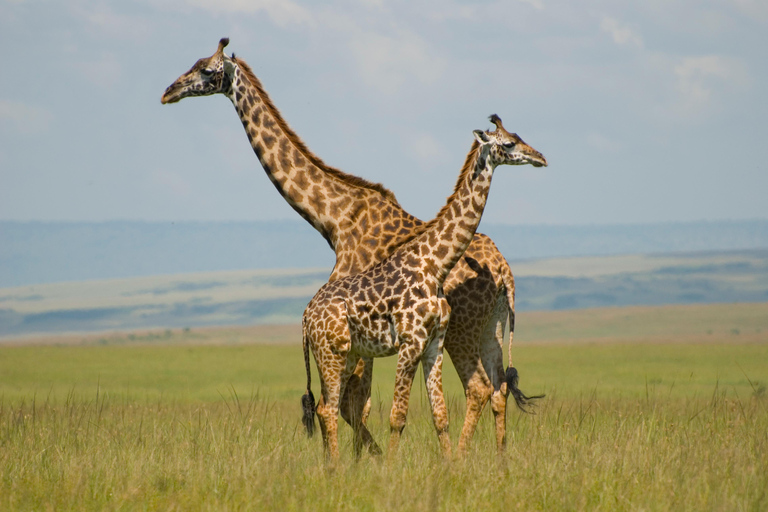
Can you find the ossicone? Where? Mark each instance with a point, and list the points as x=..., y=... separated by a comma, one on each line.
x=224, y=41
x=496, y=120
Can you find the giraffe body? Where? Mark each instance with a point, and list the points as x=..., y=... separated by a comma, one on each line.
x=363, y=223
x=349, y=318
x=398, y=305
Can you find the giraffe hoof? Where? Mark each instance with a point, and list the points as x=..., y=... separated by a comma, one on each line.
x=374, y=450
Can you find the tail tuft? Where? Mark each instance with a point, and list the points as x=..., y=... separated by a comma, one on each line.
x=308, y=409
x=522, y=400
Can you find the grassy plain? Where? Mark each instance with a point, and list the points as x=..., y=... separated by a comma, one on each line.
x=646, y=409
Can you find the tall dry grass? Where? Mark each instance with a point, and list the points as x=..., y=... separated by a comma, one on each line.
x=597, y=451
x=671, y=415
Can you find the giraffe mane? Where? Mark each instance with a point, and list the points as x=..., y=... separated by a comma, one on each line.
x=349, y=179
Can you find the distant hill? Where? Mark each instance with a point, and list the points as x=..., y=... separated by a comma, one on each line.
x=49, y=252
x=248, y=297
x=534, y=242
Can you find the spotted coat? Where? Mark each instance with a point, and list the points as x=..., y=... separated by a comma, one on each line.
x=363, y=223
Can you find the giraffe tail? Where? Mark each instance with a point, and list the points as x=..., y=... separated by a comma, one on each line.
x=522, y=400
x=308, y=400
x=511, y=376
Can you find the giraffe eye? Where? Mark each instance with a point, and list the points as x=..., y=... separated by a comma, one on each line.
x=509, y=145
x=206, y=72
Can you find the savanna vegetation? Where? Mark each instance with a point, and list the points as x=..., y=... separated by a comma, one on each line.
x=660, y=408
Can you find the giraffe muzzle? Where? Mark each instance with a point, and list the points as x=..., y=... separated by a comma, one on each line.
x=168, y=96
x=534, y=158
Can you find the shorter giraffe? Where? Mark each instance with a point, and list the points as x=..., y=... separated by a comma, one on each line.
x=398, y=305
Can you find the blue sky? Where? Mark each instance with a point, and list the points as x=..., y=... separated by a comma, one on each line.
x=648, y=111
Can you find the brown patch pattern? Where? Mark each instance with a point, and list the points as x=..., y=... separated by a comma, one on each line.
x=363, y=224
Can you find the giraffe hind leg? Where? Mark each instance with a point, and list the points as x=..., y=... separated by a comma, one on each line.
x=464, y=349
x=412, y=346
x=478, y=391
x=492, y=354
x=432, y=362
x=330, y=366
x=480, y=368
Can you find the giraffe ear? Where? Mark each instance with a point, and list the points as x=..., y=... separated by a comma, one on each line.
x=481, y=136
x=229, y=66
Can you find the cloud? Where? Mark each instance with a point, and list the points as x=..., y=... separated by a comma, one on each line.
x=426, y=149
x=452, y=12
x=283, y=13
x=115, y=25
x=376, y=4
x=621, y=35
x=384, y=51
x=536, y=4
x=698, y=78
x=172, y=182
x=24, y=118
x=602, y=143
x=388, y=62
x=756, y=9
x=104, y=72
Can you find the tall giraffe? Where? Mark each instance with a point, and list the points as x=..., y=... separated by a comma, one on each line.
x=398, y=306
x=363, y=223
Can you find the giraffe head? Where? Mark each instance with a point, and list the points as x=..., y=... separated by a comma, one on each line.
x=208, y=76
x=500, y=147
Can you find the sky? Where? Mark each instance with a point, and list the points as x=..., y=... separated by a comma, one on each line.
x=647, y=111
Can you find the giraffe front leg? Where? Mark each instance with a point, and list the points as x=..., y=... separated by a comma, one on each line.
x=321, y=419
x=365, y=398
x=465, y=354
x=432, y=361
x=486, y=380
x=351, y=410
x=355, y=406
x=407, y=363
x=499, y=407
x=477, y=391
x=351, y=405
x=493, y=361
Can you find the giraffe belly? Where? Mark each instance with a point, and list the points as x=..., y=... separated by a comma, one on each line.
x=374, y=337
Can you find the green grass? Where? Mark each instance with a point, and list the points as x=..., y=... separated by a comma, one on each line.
x=193, y=374
x=671, y=418
x=747, y=322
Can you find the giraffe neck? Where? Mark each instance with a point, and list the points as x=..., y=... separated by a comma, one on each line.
x=319, y=193
x=445, y=238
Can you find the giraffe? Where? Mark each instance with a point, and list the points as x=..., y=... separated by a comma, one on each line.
x=398, y=305
x=363, y=223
